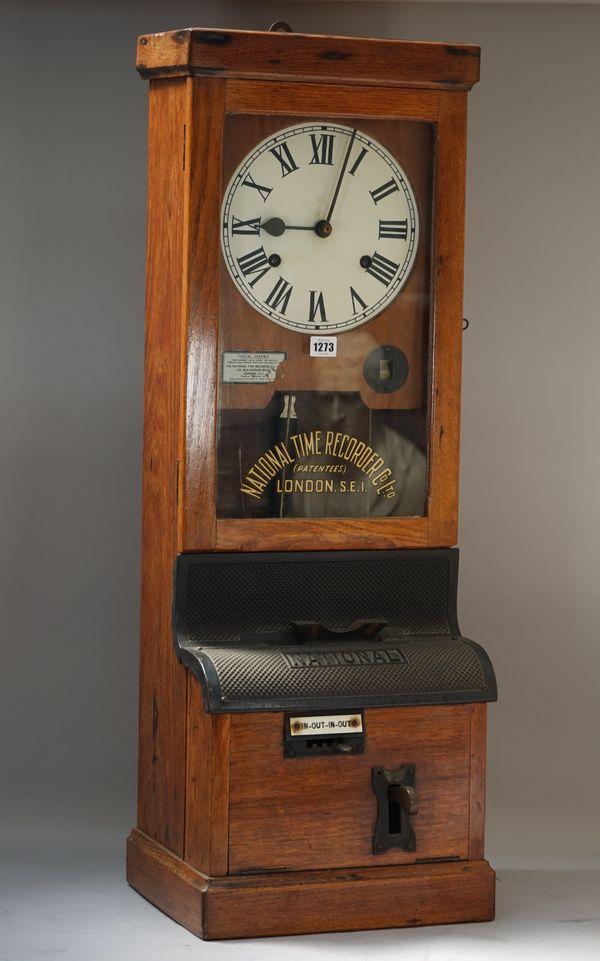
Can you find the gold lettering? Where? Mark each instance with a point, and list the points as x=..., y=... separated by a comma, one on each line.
x=387, y=490
x=315, y=443
x=266, y=467
x=284, y=453
x=272, y=458
x=351, y=448
x=255, y=471
x=295, y=442
x=380, y=478
x=358, y=452
x=252, y=493
x=378, y=462
x=309, y=443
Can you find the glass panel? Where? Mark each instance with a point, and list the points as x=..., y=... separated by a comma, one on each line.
x=325, y=318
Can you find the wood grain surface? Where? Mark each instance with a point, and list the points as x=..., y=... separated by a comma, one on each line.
x=308, y=57
x=368, y=899
x=207, y=786
x=163, y=684
x=477, y=779
x=203, y=255
x=166, y=881
x=273, y=534
x=341, y=100
x=444, y=448
x=318, y=812
x=309, y=901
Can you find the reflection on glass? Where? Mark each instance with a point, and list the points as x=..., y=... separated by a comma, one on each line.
x=342, y=433
x=321, y=454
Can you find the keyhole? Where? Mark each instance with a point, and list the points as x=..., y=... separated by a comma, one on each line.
x=394, y=816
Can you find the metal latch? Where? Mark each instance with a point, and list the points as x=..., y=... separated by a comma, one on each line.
x=397, y=803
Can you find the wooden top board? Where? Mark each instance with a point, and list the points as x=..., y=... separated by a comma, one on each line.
x=265, y=55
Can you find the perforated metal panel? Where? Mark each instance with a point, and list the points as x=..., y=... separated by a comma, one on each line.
x=235, y=629
x=428, y=669
x=225, y=597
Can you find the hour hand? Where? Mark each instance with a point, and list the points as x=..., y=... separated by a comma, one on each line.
x=276, y=227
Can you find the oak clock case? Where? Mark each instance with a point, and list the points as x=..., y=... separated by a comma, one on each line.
x=312, y=722
x=326, y=231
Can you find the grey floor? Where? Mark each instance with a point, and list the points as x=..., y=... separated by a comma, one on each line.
x=65, y=901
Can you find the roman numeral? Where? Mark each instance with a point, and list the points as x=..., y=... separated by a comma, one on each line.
x=246, y=226
x=279, y=297
x=357, y=299
x=322, y=148
x=394, y=229
x=382, y=269
x=255, y=262
x=283, y=154
x=358, y=160
x=263, y=191
x=384, y=191
x=317, y=304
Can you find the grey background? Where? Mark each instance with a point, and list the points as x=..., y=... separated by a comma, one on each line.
x=72, y=190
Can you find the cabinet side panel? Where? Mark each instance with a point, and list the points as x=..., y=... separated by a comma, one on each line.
x=162, y=715
x=478, y=758
x=207, y=794
x=205, y=138
x=449, y=215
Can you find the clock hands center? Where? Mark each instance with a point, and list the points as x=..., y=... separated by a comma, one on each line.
x=275, y=226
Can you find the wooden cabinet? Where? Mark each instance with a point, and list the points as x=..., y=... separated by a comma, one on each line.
x=234, y=838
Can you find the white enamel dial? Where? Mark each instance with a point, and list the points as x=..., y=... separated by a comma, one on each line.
x=319, y=228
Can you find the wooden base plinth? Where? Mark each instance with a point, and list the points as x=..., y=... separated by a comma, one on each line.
x=309, y=902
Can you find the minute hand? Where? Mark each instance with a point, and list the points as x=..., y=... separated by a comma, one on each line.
x=341, y=177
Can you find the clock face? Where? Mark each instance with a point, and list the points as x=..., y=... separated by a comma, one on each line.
x=320, y=228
